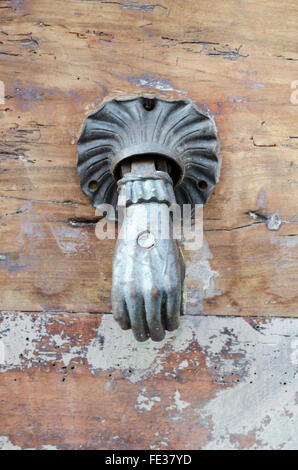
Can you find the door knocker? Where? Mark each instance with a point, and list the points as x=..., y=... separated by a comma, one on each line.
x=145, y=154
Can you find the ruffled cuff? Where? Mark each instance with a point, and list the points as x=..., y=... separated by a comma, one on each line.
x=156, y=187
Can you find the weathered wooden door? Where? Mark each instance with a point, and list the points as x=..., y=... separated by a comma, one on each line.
x=69, y=377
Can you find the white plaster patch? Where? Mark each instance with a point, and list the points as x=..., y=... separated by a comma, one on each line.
x=161, y=84
x=121, y=351
x=72, y=353
x=261, y=357
x=22, y=337
x=183, y=364
x=270, y=387
x=140, y=360
x=58, y=340
x=179, y=404
x=144, y=402
x=19, y=334
x=262, y=404
x=5, y=444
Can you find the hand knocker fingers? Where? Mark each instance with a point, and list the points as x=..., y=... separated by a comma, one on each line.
x=153, y=306
x=135, y=307
x=120, y=312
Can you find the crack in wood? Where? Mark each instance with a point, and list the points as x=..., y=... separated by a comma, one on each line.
x=228, y=53
x=43, y=201
x=261, y=145
x=83, y=221
x=231, y=229
x=9, y=53
x=272, y=221
x=20, y=211
x=207, y=47
x=145, y=7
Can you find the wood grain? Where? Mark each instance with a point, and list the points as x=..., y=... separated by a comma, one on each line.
x=76, y=381
x=59, y=60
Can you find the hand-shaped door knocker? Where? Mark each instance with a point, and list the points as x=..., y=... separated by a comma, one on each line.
x=144, y=155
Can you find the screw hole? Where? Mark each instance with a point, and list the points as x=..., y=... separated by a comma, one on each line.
x=148, y=104
x=202, y=185
x=93, y=185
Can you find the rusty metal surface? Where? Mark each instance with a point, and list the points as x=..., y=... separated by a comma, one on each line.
x=148, y=267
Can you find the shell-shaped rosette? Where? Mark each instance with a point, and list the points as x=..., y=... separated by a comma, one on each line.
x=175, y=129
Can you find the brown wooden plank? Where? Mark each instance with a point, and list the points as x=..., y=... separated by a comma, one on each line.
x=71, y=381
x=58, y=61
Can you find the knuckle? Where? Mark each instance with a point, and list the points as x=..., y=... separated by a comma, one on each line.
x=118, y=316
x=171, y=292
x=153, y=292
x=130, y=295
x=132, y=291
x=173, y=327
x=139, y=334
x=155, y=325
x=171, y=288
x=153, y=322
x=173, y=310
x=172, y=321
x=158, y=334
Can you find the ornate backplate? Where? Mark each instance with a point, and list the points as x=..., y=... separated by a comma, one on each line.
x=175, y=129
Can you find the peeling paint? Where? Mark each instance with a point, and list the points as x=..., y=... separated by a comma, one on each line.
x=245, y=409
x=13, y=263
x=19, y=6
x=5, y=444
x=179, y=404
x=183, y=365
x=49, y=447
x=151, y=81
x=70, y=240
x=144, y=402
x=26, y=96
x=260, y=402
x=19, y=335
